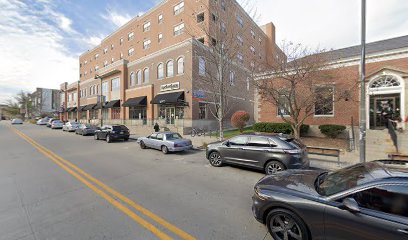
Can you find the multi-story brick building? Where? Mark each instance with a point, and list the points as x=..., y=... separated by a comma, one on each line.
x=149, y=70
x=386, y=82
x=45, y=101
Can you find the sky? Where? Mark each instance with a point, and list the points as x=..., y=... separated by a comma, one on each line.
x=41, y=40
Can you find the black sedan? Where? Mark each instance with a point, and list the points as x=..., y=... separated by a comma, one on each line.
x=364, y=201
x=85, y=129
x=112, y=132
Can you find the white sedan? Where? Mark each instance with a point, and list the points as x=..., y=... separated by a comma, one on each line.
x=16, y=121
x=70, y=126
x=42, y=121
x=57, y=124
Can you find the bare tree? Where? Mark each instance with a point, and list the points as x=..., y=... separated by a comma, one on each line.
x=21, y=100
x=220, y=57
x=303, y=85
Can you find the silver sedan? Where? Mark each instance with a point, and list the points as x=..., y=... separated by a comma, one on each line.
x=70, y=126
x=166, y=142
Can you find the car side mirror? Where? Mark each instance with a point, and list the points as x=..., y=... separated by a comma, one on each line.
x=351, y=205
x=227, y=143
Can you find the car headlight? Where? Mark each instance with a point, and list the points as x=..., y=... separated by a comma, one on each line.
x=260, y=194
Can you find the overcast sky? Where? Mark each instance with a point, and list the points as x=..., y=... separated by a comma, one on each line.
x=40, y=40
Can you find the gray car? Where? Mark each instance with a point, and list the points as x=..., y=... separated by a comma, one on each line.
x=85, y=129
x=271, y=153
x=166, y=142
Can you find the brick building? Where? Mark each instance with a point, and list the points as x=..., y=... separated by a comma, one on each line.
x=386, y=82
x=149, y=70
x=45, y=101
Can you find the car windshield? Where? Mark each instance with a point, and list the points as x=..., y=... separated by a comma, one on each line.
x=119, y=128
x=173, y=136
x=331, y=183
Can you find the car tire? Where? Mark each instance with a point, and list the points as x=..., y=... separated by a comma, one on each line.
x=289, y=224
x=83, y=134
x=215, y=159
x=164, y=149
x=96, y=137
x=126, y=139
x=108, y=139
x=274, y=167
x=142, y=145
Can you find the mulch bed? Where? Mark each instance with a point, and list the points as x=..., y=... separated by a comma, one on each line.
x=325, y=142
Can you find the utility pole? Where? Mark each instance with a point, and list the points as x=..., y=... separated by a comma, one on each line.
x=363, y=126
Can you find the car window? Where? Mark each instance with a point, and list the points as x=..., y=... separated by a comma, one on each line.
x=159, y=136
x=120, y=128
x=390, y=199
x=257, y=141
x=238, y=141
x=173, y=136
x=153, y=136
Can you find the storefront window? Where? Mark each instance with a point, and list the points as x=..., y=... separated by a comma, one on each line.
x=162, y=112
x=83, y=115
x=115, y=113
x=180, y=112
x=93, y=114
x=105, y=114
x=202, y=114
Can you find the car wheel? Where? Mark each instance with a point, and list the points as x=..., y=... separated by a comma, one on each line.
x=142, y=145
x=164, y=149
x=96, y=137
x=83, y=134
x=274, y=167
x=215, y=159
x=284, y=224
x=108, y=139
x=126, y=139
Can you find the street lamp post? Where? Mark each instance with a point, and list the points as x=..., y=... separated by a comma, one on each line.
x=100, y=99
x=363, y=126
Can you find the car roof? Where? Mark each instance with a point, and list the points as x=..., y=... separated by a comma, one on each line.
x=281, y=136
x=166, y=132
x=393, y=168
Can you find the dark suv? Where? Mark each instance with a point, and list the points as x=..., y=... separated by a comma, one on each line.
x=272, y=153
x=112, y=132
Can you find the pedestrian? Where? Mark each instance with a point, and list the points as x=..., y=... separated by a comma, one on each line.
x=386, y=114
x=399, y=124
x=156, y=127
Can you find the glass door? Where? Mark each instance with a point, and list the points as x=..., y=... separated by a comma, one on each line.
x=170, y=115
x=383, y=108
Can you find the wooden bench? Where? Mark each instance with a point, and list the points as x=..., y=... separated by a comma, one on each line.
x=397, y=156
x=331, y=152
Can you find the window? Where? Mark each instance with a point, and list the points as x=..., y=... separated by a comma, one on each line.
x=232, y=78
x=247, y=83
x=160, y=37
x=160, y=71
x=115, y=113
x=179, y=8
x=160, y=18
x=112, y=46
x=146, y=44
x=179, y=29
x=160, y=136
x=180, y=66
x=201, y=40
x=131, y=36
x=324, y=101
x=201, y=66
x=223, y=28
x=105, y=63
x=139, y=77
x=96, y=67
x=390, y=199
x=146, y=75
x=85, y=62
x=252, y=34
x=121, y=41
x=200, y=17
x=253, y=51
x=105, y=114
x=213, y=41
x=202, y=112
x=96, y=56
x=130, y=51
x=138, y=113
x=132, y=79
x=240, y=21
x=170, y=69
x=105, y=88
x=240, y=40
x=284, y=107
x=105, y=50
x=146, y=27
x=256, y=141
x=121, y=55
x=214, y=17
x=115, y=84
x=240, y=58
x=112, y=60
x=238, y=141
x=223, y=5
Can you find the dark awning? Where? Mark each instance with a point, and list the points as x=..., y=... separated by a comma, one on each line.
x=169, y=98
x=89, y=107
x=81, y=108
x=73, y=109
x=112, y=104
x=135, y=102
x=98, y=105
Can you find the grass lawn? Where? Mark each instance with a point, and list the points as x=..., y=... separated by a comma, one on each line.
x=232, y=133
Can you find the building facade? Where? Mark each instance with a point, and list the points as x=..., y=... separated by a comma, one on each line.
x=152, y=68
x=386, y=86
x=45, y=101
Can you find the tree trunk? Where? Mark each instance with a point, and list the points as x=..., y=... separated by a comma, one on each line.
x=296, y=131
x=221, y=129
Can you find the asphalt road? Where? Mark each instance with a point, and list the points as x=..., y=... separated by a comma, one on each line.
x=57, y=185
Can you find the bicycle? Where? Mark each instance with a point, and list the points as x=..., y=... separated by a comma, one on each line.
x=197, y=132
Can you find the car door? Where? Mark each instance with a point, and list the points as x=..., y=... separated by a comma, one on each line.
x=382, y=214
x=232, y=150
x=257, y=151
x=159, y=141
x=150, y=140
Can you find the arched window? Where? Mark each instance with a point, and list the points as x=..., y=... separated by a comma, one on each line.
x=160, y=71
x=146, y=75
x=385, y=81
x=132, y=79
x=139, y=77
x=170, y=69
x=180, y=65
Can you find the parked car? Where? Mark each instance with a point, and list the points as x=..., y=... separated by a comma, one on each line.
x=70, y=126
x=42, y=121
x=271, y=153
x=16, y=121
x=166, y=142
x=50, y=121
x=364, y=201
x=57, y=124
x=112, y=132
x=86, y=129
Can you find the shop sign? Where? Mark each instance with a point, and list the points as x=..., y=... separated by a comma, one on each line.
x=198, y=94
x=170, y=86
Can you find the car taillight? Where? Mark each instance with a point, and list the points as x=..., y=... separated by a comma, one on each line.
x=292, y=151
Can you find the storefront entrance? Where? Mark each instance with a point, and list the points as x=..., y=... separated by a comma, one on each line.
x=170, y=115
x=383, y=107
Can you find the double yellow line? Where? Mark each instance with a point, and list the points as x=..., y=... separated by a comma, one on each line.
x=103, y=190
